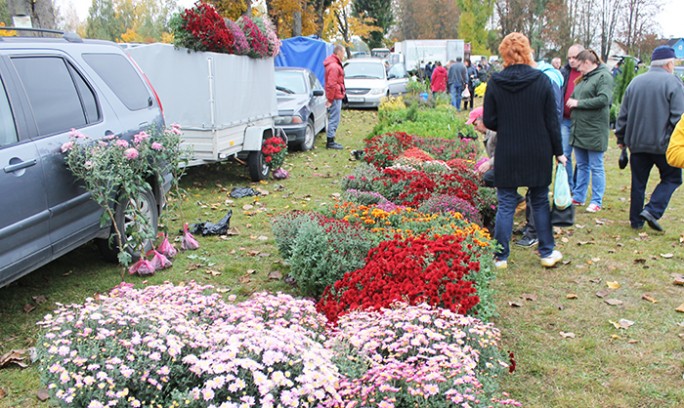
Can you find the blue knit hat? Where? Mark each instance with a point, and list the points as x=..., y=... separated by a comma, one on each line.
x=662, y=53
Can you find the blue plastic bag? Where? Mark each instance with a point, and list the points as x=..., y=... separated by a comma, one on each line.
x=562, y=197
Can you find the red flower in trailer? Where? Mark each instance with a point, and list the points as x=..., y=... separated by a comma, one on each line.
x=415, y=270
x=208, y=29
x=258, y=42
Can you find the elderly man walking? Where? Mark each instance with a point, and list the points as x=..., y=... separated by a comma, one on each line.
x=457, y=79
x=651, y=107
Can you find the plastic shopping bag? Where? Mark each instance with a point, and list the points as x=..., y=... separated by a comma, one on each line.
x=562, y=197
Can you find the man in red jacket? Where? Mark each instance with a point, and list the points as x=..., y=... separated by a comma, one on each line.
x=334, y=92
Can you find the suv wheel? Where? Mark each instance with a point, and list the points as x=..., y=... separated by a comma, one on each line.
x=147, y=203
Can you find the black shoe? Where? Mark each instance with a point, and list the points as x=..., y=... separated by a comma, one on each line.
x=651, y=220
x=526, y=242
x=331, y=144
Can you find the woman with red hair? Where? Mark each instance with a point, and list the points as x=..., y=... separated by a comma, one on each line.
x=520, y=106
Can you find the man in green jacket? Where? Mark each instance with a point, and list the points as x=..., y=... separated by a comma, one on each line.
x=590, y=113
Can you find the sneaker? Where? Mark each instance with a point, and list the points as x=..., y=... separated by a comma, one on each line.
x=500, y=264
x=551, y=260
x=593, y=208
x=577, y=203
x=526, y=241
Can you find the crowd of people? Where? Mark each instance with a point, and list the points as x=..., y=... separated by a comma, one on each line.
x=535, y=114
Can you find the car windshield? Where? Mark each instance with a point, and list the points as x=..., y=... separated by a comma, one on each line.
x=397, y=71
x=373, y=70
x=290, y=82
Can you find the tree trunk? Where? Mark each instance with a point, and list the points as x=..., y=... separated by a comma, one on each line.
x=42, y=13
x=297, y=24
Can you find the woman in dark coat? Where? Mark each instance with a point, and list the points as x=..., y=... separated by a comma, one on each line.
x=520, y=106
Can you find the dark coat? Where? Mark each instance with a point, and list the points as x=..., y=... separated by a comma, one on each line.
x=591, y=117
x=520, y=106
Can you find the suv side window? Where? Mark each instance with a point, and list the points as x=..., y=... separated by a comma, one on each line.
x=8, y=131
x=54, y=97
x=122, y=79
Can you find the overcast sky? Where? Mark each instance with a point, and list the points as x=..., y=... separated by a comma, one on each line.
x=670, y=17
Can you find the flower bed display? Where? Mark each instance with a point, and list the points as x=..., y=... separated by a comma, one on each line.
x=175, y=346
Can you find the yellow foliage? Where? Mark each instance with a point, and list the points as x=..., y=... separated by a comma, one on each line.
x=392, y=103
x=338, y=22
x=7, y=33
x=130, y=36
x=167, y=38
x=481, y=89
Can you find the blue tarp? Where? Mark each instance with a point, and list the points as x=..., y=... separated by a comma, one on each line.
x=304, y=52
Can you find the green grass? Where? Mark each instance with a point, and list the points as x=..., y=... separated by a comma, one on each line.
x=642, y=367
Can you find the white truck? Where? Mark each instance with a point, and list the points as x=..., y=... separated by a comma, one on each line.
x=416, y=53
x=225, y=104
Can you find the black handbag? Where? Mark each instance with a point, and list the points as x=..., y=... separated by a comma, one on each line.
x=624, y=158
x=564, y=217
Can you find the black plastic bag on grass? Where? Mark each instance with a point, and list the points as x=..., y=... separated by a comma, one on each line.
x=209, y=228
x=240, y=192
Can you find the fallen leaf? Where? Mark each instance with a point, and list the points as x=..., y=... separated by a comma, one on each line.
x=640, y=261
x=595, y=280
x=633, y=341
x=623, y=324
x=40, y=299
x=42, y=395
x=568, y=335
x=247, y=207
x=212, y=272
x=613, y=285
x=615, y=337
x=648, y=297
x=596, y=259
x=275, y=275
x=678, y=281
x=251, y=271
x=560, y=307
x=565, y=240
x=264, y=255
x=517, y=304
x=13, y=357
x=667, y=256
x=579, y=226
x=599, y=222
x=223, y=290
x=28, y=308
x=262, y=238
x=529, y=296
x=680, y=309
x=245, y=279
x=3, y=393
x=67, y=273
x=253, y=253
x=580, y=243
x=571, y=296
x=613, y=302
x=602, y=293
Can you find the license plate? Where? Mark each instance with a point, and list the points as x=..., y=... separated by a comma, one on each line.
x=356, y=99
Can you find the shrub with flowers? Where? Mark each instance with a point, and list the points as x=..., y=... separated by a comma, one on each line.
x=361, y=178
x=441, y=203
x=241, y=44
x=274, y=150
x=433, y=270
x=258, y=42
x=201, y=28
x=115, y=171
x=266, y=27
x=382, y=150
x=418, y=356
x=178, y=346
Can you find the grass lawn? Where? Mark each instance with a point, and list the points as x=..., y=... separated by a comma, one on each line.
x=602, y=366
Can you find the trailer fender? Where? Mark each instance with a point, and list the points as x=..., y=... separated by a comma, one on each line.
x=255, y=135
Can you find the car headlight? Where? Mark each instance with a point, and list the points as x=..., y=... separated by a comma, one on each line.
x=288, y=120
x=377, y=91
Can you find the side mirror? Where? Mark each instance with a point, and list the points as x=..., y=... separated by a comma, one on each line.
x=318, y=92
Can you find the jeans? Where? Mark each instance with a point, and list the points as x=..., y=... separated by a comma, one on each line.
x=670, y=178
x=566, y=124
x=589, y=162
x=503, y=228
x=455, y=90
x=334, y=112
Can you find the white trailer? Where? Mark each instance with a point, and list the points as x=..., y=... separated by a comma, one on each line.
x=416, y=53
x=225, y=104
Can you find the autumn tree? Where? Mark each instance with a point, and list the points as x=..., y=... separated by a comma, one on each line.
x=425, y=19
x=608, y=20
x=637, y=28
x=472, y=23
x=339, y=22
x=4, y=13
x=381, y=12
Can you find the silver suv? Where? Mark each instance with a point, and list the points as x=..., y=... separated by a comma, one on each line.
x=49, y=86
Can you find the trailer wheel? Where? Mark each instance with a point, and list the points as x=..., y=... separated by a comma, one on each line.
x=258, y=169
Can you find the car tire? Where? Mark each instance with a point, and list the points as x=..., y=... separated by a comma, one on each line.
x=309, y=137
x=257, y=166
x=147, y=202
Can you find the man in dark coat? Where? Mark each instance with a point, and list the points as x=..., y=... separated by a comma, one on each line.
x=652, y=106
x=457, y=79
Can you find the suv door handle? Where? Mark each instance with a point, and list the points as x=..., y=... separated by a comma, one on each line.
x=14, y=167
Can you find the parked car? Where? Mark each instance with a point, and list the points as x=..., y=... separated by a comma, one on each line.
x=367, y=81
x=49, y=86
x=302, y=113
